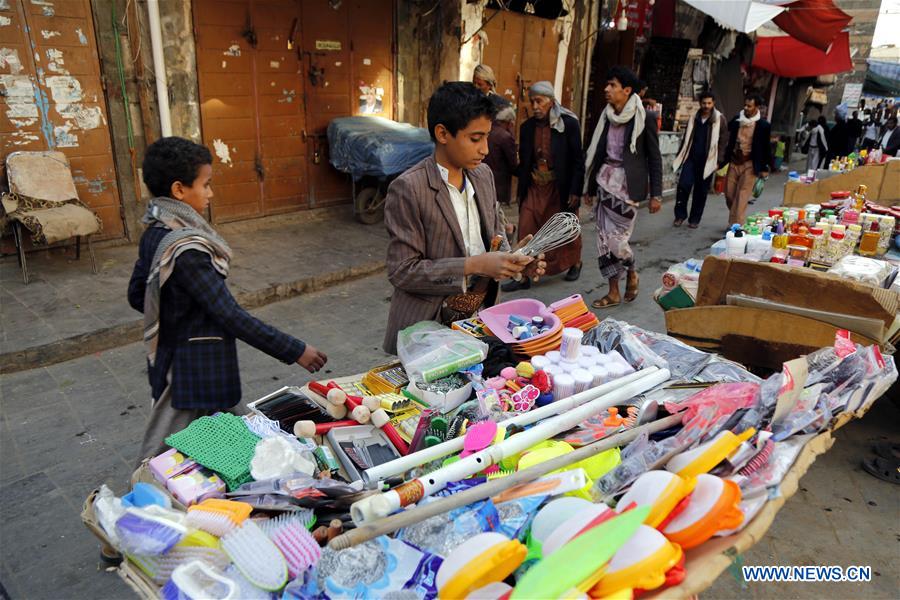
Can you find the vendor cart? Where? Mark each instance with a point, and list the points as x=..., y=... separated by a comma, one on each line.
x=373, y=151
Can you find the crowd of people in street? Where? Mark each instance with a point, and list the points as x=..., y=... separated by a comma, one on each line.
x=874, y=129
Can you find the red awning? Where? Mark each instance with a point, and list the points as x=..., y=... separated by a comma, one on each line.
x=813, y=22
x=788, y=57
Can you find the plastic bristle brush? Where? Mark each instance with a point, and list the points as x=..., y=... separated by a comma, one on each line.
x=289, y=532
x=217, y=516
x=500, y=473
x=256, y=556
x=306, y=516
x=758, y=461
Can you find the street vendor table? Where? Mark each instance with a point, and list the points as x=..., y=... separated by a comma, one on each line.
x=703, y=564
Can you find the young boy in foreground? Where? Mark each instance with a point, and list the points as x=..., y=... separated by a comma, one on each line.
x=442, y=217
x=191, y=320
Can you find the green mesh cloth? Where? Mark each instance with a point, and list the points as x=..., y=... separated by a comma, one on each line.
x=221, y=443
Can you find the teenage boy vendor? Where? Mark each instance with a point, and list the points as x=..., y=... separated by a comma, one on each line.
x=443, y=220
x=191, y=320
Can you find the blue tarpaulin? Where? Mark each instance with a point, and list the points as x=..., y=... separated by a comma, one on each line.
x=376, y=146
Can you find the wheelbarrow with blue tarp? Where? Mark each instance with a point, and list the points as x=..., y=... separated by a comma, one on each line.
x=374, y=151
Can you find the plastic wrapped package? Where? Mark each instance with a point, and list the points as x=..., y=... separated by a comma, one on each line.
x=771, y=474
x=648, y=455
x=722, y=370
x=617, y=335
x=376, y=569
x=642, y=348
x=865, y=270
x=300, y=490
x=441, y=534
x=149, y=531
x=683, y=272
x=516, y=516
x=108, y=508
x=376, y=146
x=811, y=414
x=724, y=397
x=430, y=351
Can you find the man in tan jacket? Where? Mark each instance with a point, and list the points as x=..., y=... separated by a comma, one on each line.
x=443, y=219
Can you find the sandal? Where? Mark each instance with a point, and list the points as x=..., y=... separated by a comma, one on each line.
x=887, y=451
x=605, y=302
x=631, y=292
x=885, y=470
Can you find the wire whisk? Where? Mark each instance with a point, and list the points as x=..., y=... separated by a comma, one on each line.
x=562, y=228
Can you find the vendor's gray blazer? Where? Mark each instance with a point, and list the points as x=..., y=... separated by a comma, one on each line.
x=426, y=254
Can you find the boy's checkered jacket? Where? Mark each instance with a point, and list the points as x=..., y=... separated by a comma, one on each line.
x=199, y=321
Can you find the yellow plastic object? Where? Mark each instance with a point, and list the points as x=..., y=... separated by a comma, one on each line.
x=706, y=456
x=661, y=490
x=196, y=537
x=714, y=506
x=483, y=559
x=237, y=512
x=551, y=449
x=641, y=563
x=600, y=464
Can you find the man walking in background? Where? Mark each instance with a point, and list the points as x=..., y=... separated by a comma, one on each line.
x=701, y=154
x=750, y=152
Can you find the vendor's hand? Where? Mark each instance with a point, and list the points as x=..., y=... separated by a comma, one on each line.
x=574, y=201
x=501, y=265
x=588, y=200
x=655, y=205
x=536, y=268
x=312, y=360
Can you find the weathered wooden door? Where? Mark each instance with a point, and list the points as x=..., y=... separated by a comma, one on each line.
x=51, y=96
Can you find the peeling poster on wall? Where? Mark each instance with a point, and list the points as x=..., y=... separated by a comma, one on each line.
x=370, y=99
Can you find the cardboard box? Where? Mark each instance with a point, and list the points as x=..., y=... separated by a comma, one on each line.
x=752, y=336
x=795, y=286
x=882, y=181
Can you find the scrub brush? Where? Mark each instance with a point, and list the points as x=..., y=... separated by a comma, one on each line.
x=256, y=557
x=289, y=532
x=216, y=516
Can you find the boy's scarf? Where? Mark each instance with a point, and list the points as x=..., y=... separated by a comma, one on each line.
x=190, y=231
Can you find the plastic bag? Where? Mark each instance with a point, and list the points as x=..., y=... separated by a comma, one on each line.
x=441, y=534
x=865, y=270
x=376, y=569
x=149, y=531
x=430, y=351
x=108, y=509
x=725, y=398
x=758, y=187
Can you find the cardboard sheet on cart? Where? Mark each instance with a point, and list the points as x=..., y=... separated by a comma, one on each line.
x=795, y=286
